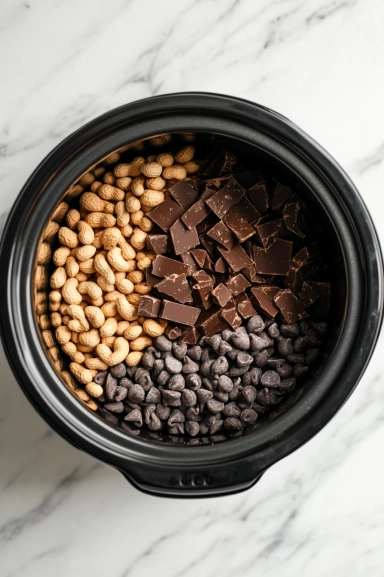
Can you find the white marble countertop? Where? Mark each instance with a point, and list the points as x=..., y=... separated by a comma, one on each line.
x=320, y=511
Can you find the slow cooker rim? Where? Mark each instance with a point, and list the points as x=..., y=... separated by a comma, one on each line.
x=187, y=452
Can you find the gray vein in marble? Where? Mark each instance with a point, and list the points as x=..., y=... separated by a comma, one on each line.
x=374, y=159
x=48, y=505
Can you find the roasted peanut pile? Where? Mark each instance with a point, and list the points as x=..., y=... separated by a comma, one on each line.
x=99, y=276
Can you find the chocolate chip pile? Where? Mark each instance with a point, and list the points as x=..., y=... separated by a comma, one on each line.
x=222, y=384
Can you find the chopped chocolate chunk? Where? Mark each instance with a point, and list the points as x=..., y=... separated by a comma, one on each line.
x=188, y=259
x=297, y=275
x=202, y=290
x=221, y=266
x=201, y=257
x=280, y=196
x=182, y=238
x=238, y=217
x=149, y=306
x=244, y=306
x=244, y=210
x=289, y=306
x=177, y=287
x=210, y=322
x=274, y=260
x=258, y=195
x=159, y=243
x=184, y=193
x=166, y=214
x=308, y=295
x=250, y=273
x=237, y=284
x=268, y=232
x=221, y=233
x=305, y=254
x=198, y=211
x=219, y=162
x=320, y=308
x=150, y=278
x=190, y=336
x=226, y=197
x=237, y=258
x=203, y=277
x=249, y=178
x=172, y=332
x=230, y=315
x=291, y=218
x=221, y=295
x=209, y=245
x=163, y=266
x=207, y=223
x=262, y=298
x=182, y=314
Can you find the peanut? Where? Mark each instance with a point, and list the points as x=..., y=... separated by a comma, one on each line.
x=90, y=338
x=138, y=239
x=151, y=169
x=85, y=252
x=133, y=331
x=94, y=390
x=109, y=178
x=58, y=278
x=145, y=224
x=132, y=204
x=102, y=267
x=41, y=303
x=137, y=186
x=134, y=299
x=124, y=182
x=136, y=217
x=68, y=237
x=123, y=216
x=152, y=198
x=83, y=375
x=165, y=159
x=111, y=237
x=121, y=327
x=71, y=266
x=176, y=171
x=50, y=231
x=126, y=309
x=45, y=322
x=93, y=363
x=108, y=192
x=191, y=167
x=108, y=329
x=72, y=218
x=112, y=158
x=127, y=251
x=63, y=335
x=70, y=292
x=120, y=352
x=48, y=338
x=109, y=309
x=87, y=179
x=70, y=349
x=125, y=286
x=100, y=219
x=152, y=328
x=87, y=266
x=185, y=154
x=133, y=358
x=156, y=183
x=60, y=255
x=86, y=233
x=95, y=316
x=44, y=253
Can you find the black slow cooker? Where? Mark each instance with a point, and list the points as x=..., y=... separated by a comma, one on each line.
x=159, y=466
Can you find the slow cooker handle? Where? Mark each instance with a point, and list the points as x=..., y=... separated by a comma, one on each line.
x=210, y=481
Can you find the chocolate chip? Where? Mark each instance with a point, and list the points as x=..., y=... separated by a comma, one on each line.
x=171, y=398
x=110, y=387
x=192, y=428
x=290, y=331
x=249, y=394
x=244, y=360
x=118, y=371
x=195, y=352
x=285, y=347
x=163, y=378
x=193, y=381
x=189, y=366
x=163, y=412
x=188, y=398
x=162, y=343
x=220, y=366
x=153, y=396
x=241, y=340
x=233, y=424
x=248, y=417
x=270, y=379
x=176, y=382
x=285, y=371
x=215, y=406
x=255, y=324
x=172, y=365
x=135, y=417
x=101, y=377
x=311, y=356
x=114, y=407
x=261, y=358
x=179, y=350
x=299, y=370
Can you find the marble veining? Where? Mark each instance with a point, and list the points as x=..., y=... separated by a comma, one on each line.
x=320, y=511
